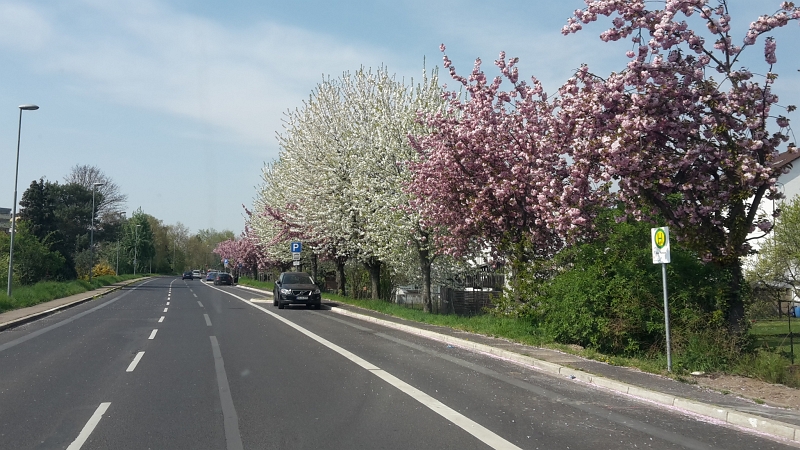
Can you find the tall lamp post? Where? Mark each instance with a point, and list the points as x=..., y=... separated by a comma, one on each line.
x=14, y=214
x=135, y=248
x=91, y=239
x=123, y=216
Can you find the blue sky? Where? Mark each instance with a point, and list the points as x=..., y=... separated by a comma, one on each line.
x=179, y=101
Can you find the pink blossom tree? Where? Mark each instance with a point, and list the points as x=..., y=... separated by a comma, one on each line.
x=495, y=172
x=245, y=251
x=687, y=133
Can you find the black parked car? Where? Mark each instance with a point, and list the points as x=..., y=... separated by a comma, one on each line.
x=188, y=275
x=296, y=287
x=223, y=278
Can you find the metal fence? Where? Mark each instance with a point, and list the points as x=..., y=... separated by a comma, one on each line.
x=466, y=295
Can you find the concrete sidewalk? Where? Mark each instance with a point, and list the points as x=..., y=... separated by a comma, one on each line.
x=15, y=317
x=688, y=398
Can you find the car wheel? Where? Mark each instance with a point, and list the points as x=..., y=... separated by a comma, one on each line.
x=317, y=306
x=274, y=299
x=280, y=305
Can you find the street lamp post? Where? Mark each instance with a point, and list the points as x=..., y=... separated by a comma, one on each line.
x=135, y=248
x=123, y=216
x=91, y=239
x=14, y=214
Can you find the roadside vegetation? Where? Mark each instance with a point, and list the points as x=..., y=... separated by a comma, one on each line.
x=45, y=291
x=53, y=236
x=265, y=285
x=416, y=184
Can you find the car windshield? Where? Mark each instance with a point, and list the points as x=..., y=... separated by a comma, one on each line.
x=299, y=278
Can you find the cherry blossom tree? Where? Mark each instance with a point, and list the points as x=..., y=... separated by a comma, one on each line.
x=244, y=250
x=687, y=133
x=494, y=172
x=271, y=225
x=338, y=182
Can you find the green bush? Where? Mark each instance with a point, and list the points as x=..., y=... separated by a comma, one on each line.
x=33, y=259
x=607, y=294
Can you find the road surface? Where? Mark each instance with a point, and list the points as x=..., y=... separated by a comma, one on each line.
x=174, y=364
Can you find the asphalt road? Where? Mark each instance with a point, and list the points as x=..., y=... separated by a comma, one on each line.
x=173, y=364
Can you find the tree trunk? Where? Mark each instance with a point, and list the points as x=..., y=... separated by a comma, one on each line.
x=340, y=279
x=734, y=308
x=314, y=267
x=425, y=268
x=373, y=266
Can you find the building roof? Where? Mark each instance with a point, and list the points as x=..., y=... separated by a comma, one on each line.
x=785, y=159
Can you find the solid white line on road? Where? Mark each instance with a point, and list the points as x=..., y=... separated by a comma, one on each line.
x=135, y=361
x=153, y=334
x=165, y=309
x=208, y=320
x=233, y=438
x=89, y=427
x=161, y=319
x=478, y=431
x=198, y=302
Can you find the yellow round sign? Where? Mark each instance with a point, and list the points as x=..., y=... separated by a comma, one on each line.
x=660, y=238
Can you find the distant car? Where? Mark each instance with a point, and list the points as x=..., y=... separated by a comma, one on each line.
x=187, y=275
x=298, y=288
x=223, y=278
x=197, y=274
x=210, y=276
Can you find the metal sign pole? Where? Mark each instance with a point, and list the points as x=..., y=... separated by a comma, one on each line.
x=666, y=314
x=659, y=241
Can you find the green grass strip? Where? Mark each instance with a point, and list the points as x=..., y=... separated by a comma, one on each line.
x=266, y=285
x=24, y=296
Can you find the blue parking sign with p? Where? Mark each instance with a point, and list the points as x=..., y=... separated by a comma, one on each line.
x=297, y=247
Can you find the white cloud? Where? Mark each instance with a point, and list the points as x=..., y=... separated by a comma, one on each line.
x=144, y=54
x=22, y=27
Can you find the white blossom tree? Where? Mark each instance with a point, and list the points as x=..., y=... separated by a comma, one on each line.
x=339, y=181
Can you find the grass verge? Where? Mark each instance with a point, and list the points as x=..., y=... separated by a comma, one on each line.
x=508, y=328
x=266, y=285
x=45, y=291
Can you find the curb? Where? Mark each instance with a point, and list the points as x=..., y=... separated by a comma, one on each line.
x=727, y=415
x=35, y=316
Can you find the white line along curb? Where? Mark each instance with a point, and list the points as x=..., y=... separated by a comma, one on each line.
x=727, y=415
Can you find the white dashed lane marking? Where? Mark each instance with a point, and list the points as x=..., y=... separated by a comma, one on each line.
x=89, y=427
x=135, y=361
